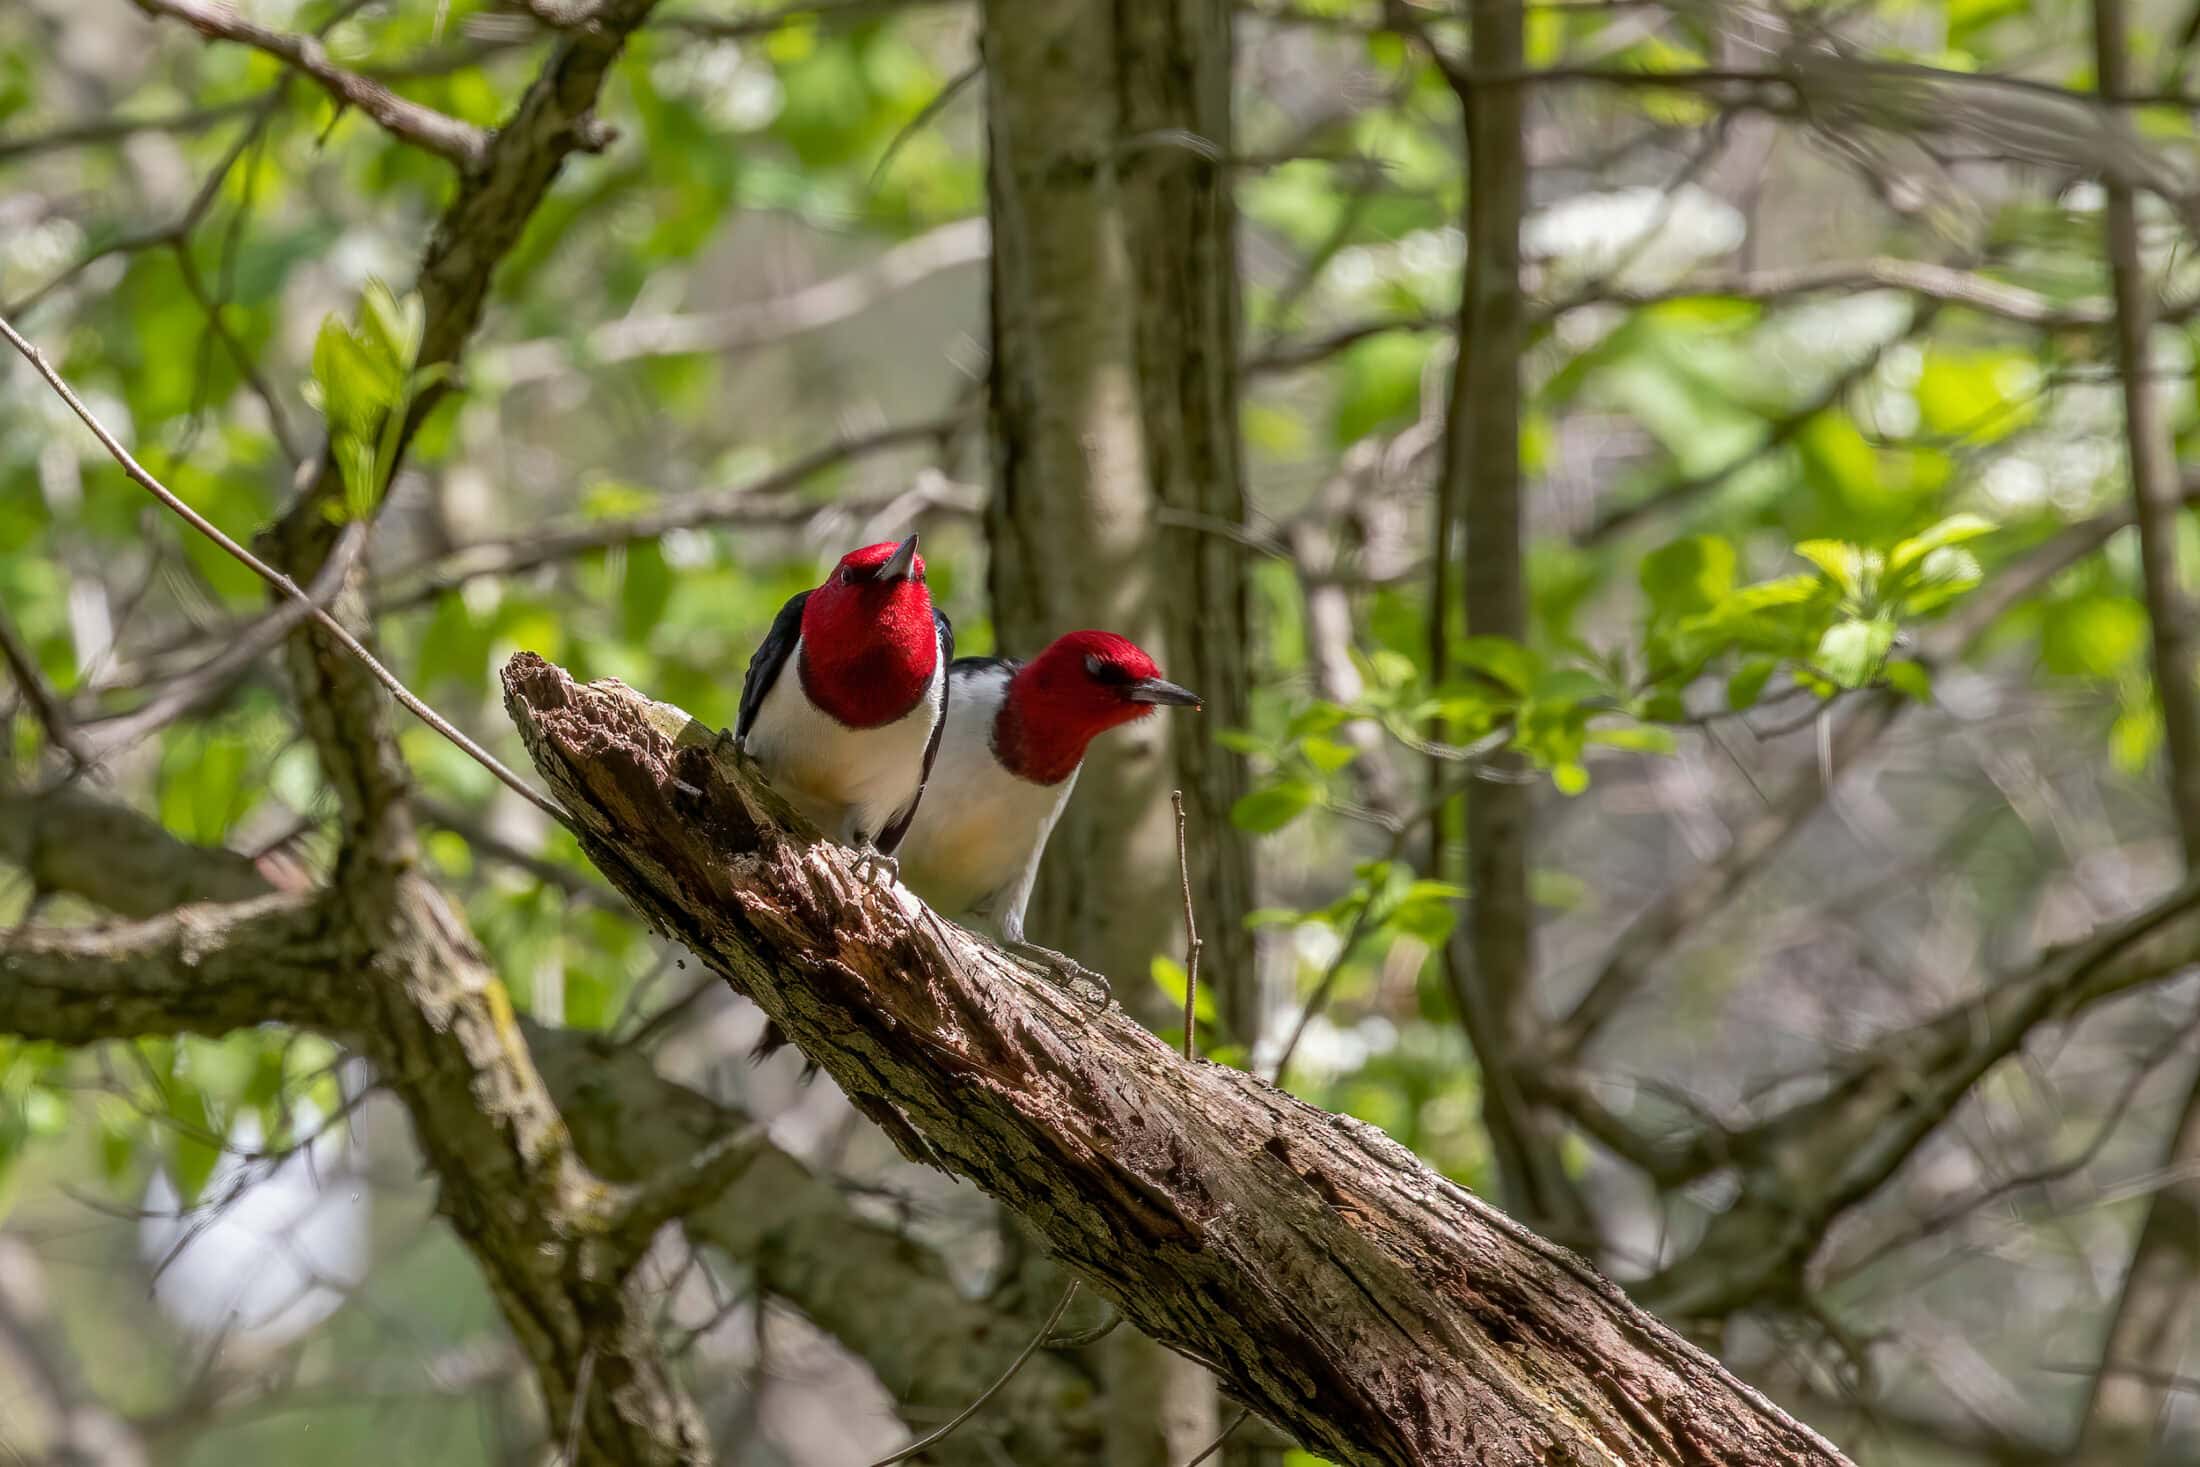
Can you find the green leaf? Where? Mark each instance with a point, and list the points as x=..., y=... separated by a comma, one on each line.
x=1841, y=459
x=1639, y=738
x=1501, y=659
x=1427, y=910
x=359, y=465
x=1168, y=974
x=2095, y=636
x=1910, y=679
x=45, y=1113
x=1266, y=811
x=1769, y=595
x=1976, y=396
x=1842, y=563
x=1941, y=577
x=1327, y=755
x=1954, y=530
x=1316, y=718
x=1747, y=684
x=1572, y=687
x=1388, y=669
x=1378, y=384
x=393, y=329
x=117, y=1149
x=192, y=1153
x=1850, y=652
x=1688, y=575
x=363, y=383
x=2135, y=735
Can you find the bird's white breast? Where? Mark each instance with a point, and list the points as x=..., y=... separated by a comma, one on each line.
x=849, y=782
x=980, y=829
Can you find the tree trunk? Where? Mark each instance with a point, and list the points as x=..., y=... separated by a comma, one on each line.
x=2152, y=1322
x=1114, y=405
x=2148, y=1337
x=1114, y=322
x=1357, y=1299
x=1491, y=962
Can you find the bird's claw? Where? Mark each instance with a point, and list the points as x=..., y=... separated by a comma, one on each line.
x=1065, y=970
x=878, y=868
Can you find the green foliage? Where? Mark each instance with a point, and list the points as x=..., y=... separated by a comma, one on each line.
x=1807, y=471
x=365, y=380
x=1828, y=632
x=32, y=1106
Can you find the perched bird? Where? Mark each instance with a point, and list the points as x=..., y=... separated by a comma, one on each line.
x=846, y=698
x=1016, y=734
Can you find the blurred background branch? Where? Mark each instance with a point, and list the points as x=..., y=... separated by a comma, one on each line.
x=1698, y=712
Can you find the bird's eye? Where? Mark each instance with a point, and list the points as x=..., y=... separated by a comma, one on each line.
x=1112, y=673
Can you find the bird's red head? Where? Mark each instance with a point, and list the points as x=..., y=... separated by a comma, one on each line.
x=868, y=643
x=1082, y=685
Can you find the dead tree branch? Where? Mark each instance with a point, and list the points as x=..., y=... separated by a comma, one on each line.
x=1359, y=1300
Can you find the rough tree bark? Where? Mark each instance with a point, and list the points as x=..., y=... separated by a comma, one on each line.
x=1114, y=321
x=2152, y=1324
x=260, y=956
x=1490, y=962
x=1114, y=412
x=556, y=1245
x=1357, y=1299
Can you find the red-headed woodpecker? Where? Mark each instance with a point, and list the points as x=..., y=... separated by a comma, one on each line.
x=1016, y=734
x=846, y=698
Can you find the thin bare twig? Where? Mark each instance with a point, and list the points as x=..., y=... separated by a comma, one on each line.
x=1220, y=1437
x=1319, y=998
x=1192, y=942
x=925, y=115
x=571, y=1454
x=197, y=687
x=1779, y=432
x=954, y=1423
x=717, y=1164
x=576, y=885
x=247, y=367
x=756, y=501
x=116, y=129
x=764, y=22
x=283, y=584
x=460, y=142
x=31, y=683
x=261, y=113
x=754, y=324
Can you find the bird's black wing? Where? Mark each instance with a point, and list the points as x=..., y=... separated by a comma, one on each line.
x=981, y=664
x=769, y=659
x=896, y=828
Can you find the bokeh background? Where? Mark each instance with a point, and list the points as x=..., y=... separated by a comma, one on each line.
x=1687, y=871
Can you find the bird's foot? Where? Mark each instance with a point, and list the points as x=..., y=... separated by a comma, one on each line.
x=878, y=868
x=1065, y=970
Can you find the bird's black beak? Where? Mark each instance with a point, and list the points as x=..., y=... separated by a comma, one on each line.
x=899, y=565
x=1155, y=690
